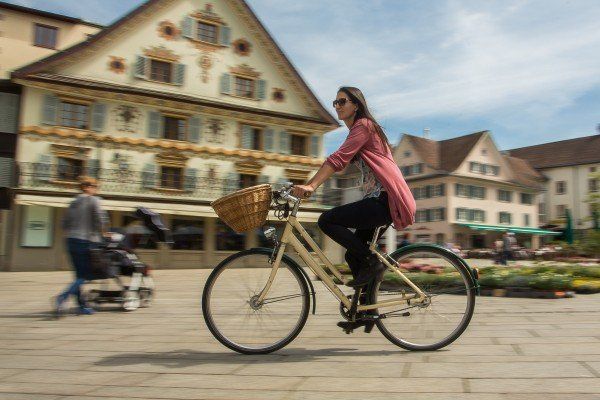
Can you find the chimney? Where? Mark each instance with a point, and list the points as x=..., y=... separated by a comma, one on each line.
x=426, y=133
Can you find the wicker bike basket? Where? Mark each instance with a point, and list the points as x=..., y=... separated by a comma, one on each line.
x=244, y=209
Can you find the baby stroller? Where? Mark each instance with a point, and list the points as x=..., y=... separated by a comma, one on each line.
x=134, y=285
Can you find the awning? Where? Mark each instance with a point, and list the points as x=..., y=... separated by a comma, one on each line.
x=505, y=228
x=161, y=208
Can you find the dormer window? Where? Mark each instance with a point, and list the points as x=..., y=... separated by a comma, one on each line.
x=207, y=32
x=206, y=29
x=161, y=71
x=159, y=64
x=243, y=81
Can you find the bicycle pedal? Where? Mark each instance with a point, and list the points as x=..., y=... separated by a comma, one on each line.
x=369, y=327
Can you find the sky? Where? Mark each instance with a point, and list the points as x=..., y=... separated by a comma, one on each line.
x=526, y=70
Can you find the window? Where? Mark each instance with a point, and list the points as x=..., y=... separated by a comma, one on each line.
x=247, y=180
x=526, y=220
x=423, y=239
x=207, y=32
x=171, y=178
x=561, y=187
x=439, y=239
x=228, y=239
x=74, y=115
x=188, y=234
x=138, y=236
x=593, y=185
x=69, y=169
x=413, y=169
x=471, y=215
x=244, y=87
x=504, y=217
x=161, y=71
x=407, y=154
x=485, y=169
x=45, y=36
x=542, y=212
x=470, y=191
x=592, y=169
x=299, y=145
x=526, y=198
x=561, y=210
x=174, y=128
x=504, y=195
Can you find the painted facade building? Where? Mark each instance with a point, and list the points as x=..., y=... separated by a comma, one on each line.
x=570, y=167
x=172, y=106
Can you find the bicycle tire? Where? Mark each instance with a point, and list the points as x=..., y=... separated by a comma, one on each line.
x=287, y=268
x=470, y=289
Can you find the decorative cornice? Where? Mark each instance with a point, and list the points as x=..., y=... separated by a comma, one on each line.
x=168, y=145
x=245, y=70
x=249, y=166
x=208, y=15
x=161, y=53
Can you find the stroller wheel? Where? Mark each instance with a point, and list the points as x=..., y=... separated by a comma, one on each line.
x=131, y=300
x=145, y=297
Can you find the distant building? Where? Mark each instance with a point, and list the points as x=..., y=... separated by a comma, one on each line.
x=26, y=35
x=467, y=192
x=568, y=166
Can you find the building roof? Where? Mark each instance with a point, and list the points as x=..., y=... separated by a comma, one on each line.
x=46, y=14
x=583, y=150
x=104, y=35
x=445, y=155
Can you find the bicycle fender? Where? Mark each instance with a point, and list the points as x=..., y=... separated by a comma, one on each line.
x=293, y=263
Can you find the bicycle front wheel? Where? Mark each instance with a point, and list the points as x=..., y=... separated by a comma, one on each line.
x=444, y=313
x=235, y=317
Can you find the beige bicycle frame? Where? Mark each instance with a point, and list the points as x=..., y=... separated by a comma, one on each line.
x=290, y=238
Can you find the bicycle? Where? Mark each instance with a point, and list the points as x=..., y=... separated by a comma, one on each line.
x=257, y=301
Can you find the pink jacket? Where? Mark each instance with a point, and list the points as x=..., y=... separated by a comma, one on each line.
x=364, y=140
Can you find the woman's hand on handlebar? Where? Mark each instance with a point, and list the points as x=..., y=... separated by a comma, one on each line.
x=302, y=191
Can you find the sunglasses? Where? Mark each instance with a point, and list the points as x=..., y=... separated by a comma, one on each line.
x=341, y=102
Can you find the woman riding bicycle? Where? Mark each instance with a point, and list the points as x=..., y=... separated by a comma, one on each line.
x=387, y=198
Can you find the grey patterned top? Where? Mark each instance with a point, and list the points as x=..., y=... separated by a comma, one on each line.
x=370, y=184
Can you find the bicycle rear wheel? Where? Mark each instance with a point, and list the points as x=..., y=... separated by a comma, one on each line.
x=448, y=306
x=231, y=311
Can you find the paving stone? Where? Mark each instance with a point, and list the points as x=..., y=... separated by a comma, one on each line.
x=514, y=349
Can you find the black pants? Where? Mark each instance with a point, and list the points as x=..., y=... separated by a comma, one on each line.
x=363, y=215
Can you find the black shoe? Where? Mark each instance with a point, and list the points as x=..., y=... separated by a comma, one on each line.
x=349, y=326
x=374, y=269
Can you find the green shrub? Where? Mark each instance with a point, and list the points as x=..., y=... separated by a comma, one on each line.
x=549, y=281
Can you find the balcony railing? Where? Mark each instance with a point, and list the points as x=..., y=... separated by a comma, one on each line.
x=144, y=184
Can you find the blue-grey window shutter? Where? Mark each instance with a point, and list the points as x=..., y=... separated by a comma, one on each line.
x=225, y=83
x=7, y=171
x=224, y=33
x=42, y=170
x=314, y=146
x=149, y=176
x=50, y=110
x=195, y=126
x=179, y=74
x=98, y=113
x=140, y=67
x=246, y=137
x=189, y=180
x=188, y=27
x=284, y=142
x=9, y=106
x=232, y=183
x=93, y=168
x=262, y=89
x=154, y=124
x=269, y=140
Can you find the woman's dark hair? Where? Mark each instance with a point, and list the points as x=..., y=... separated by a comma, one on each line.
x=356, y=97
